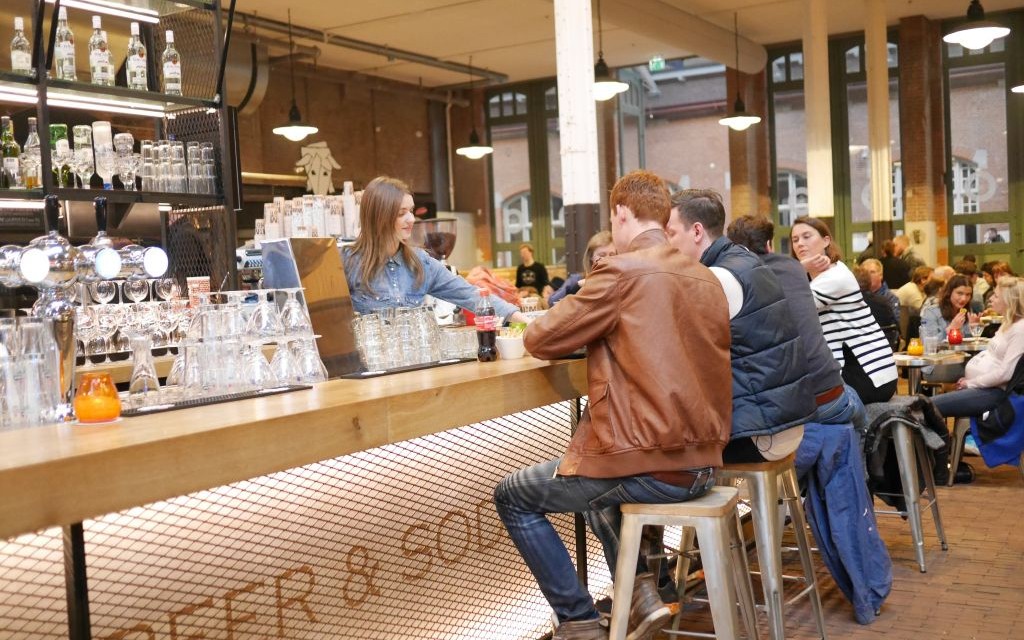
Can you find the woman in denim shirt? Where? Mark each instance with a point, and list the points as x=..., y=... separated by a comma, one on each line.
x=384, y=271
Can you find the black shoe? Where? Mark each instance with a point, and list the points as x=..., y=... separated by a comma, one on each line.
x=964, y=474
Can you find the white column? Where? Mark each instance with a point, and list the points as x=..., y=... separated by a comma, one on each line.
x=817, y=109
x=877, y=60
x=577, y=114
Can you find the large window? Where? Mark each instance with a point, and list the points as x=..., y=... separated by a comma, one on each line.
x=851, y=163
x=526, y=173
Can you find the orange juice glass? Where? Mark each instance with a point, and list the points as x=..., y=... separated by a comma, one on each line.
x=96, y=399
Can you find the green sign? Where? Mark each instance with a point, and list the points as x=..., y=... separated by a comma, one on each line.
x=656, y=64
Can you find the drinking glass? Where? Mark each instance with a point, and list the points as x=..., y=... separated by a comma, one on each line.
x=102, y=291
x=83, y=163
x=976, y=329
x=144, y=387
x=293, y=315
x=285, y=369
x=128, y=167
x=136, y=289
x=265, y=321
x=257, y=373
x=311, y=368
x=166, y=288
x=148, y=168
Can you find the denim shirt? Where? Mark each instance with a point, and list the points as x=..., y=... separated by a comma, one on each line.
x=395, y=285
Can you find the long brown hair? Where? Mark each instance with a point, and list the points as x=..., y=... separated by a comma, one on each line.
x=945, y=303
x=832, y=251
x=378, y=211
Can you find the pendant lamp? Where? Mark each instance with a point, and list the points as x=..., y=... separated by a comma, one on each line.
x=296, y=130
x=474, y=150
x=740, y=120
x=606, y=87
x=977, y=32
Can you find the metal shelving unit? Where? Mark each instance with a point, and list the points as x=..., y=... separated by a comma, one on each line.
x=198, y=115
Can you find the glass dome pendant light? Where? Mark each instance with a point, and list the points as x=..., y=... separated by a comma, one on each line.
x=977, y=32
x=606, y=86
x=740, y=120
x=296, y=130
x=474, y=150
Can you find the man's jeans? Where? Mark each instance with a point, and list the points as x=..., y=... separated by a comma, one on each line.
x=526, y=496
x=846, y=409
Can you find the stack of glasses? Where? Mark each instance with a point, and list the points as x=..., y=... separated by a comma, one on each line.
x=394, y=338
x=29, y=373
x=164, y=168
x=223, y=349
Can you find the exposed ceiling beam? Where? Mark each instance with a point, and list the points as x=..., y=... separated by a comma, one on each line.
x=305, y=33
x=660, y=20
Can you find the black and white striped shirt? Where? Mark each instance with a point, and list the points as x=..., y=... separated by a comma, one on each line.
x=846, y=319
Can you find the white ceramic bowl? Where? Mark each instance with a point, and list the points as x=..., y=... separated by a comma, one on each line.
x=510, y=348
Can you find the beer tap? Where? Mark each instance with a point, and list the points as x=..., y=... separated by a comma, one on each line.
x=22, y=265
x=98, y=260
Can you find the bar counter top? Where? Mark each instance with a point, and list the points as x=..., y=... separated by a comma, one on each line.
x=61, y=474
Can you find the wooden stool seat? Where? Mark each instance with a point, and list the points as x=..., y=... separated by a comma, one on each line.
x=714, y=504
x=768, y=466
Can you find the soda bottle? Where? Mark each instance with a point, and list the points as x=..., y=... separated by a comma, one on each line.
x=486, y=328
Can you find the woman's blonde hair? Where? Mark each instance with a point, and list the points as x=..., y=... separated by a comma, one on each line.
x=1011, y=290
x=378, y=211
x=598, y=240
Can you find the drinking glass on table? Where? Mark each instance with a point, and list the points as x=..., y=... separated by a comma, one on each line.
x=975, y=326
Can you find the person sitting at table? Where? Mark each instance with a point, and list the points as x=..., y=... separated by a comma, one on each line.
x=658, y=416
x=771, y=391
x=837, y=402
x=950, y=309
x=882, y=308
x=853, y=335
x=877, y=285
x=983, y=385
x=598, y=247
x=531, y=274
x=383, y=270
x=911, y=297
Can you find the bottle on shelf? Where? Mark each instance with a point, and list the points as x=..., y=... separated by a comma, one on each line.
x=65, y=49
x=486, y=328
x=172, y=67
x=11, y=152
x=136, y=62
x=100, y=67
x=103, y=150
x=31, y=163
x=60, y=156
x=21, y=50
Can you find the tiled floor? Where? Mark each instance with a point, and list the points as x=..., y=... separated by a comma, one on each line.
x=973, y=591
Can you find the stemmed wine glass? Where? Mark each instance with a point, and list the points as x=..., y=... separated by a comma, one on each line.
x=293, y=315
x=166, y=288
x=135, y=289
x=102, y=291
x=265, y=321
x=976, y=328
x=285, y=369
x=128, y=166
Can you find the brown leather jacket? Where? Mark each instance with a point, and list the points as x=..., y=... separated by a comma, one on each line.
x=656, y=327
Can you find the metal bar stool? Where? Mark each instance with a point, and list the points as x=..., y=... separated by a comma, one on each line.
x=960, y=428
x=910, y=451
x=713, y=517
x=763, y=480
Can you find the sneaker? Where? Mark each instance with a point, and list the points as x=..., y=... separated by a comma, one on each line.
x=647, y=613
x=582, y=630
x=970, y=446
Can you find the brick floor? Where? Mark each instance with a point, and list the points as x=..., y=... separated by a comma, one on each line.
x=973, y=591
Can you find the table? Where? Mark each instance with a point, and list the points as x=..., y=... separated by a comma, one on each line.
x=305, y=515
x=913, y=365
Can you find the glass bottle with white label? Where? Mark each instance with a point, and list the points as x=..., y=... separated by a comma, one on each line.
x=136, y=62
x=100, y=66
x=65, y=49
x=31, y=162
x=172, y=67
x=11, y=151
x=21, y=50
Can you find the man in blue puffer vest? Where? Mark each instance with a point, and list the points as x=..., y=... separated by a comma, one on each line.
x=772, y=394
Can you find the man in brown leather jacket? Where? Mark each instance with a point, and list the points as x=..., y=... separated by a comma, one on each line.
x=656, y=327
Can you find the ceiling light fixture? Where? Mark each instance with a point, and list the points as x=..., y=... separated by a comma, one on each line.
x=606, y=86
x=1018, y=89
x=740, y=120
x=977, y=32
x=474, y=150
x=296, y=130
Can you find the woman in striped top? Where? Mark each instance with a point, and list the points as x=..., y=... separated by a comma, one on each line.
x=853, y=335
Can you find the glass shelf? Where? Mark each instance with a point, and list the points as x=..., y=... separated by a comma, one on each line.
x=115, y=196
x=89, y=97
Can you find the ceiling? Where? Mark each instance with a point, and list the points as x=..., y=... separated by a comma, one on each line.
x=517, y=37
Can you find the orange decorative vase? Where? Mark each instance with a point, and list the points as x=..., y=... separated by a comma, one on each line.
x=96, y=399
x=914, y=347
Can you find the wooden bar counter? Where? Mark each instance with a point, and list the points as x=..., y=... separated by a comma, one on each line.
x=56, y=475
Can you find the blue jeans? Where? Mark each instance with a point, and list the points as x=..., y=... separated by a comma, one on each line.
x=525, y=497
x=965, y=403
x=846, y=409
